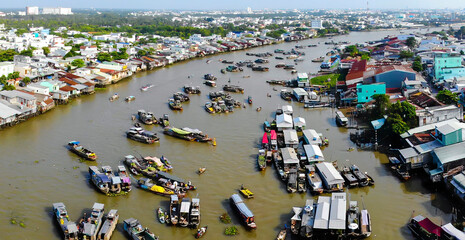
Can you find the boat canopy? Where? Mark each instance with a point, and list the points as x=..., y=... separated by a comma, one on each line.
x=265, y=138
x=430, y=227
x=451, y=230
x=116, y=180
x=170, y=177
x=267, y=124
x=273, y=135
x=103, y=177
x=365, y=220
x=126, y=180
x=241, y=206
x=174, y=198
x=180, y=131
x=297, y=211
x=337, y=217
x=156, y=160
x=185, y=206
x=322, y=213
x=74, y=142
x=197, y=131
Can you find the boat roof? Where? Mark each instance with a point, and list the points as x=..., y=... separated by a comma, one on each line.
x=169, y=176
x=132, y=222
x=126, y=179
x=364, y=214
x=98, y=206
x=307, y=217
x=337, y=217
x=297, y=211
x=103, y=177
x=284, y=121
x=179, y=131
x=122, y=168
x=311, y=136
x=72, y=227
x=451, y=230
x=185, y=205
x=156, y=160
x=174, y=197
x=265, y=138
x=191, y=130
x=89, y=229
x=195, y=201
x=289, y=156
x=329, y=173
x=322, y=213
x=244, y=210
x=273, y=135
x=314, y=152
x=116, y=180
x=75, y=142
x=290, y=136
x=430, y=227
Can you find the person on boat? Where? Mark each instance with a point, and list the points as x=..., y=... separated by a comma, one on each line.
x=175, y=184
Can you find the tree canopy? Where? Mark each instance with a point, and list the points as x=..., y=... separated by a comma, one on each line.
x=79, y=63
x=447, y=97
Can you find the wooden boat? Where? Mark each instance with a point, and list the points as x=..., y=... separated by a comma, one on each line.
x=182, y=97
x=289, y=67
x=140, y=135
x=115, y=182
x=191, y=89
x=246, y=192
x=147, y=184
x=353, y=220
x=286, y=94
x=161, y=215
x=194, y=215
x=318, y=60
x=261, y=159
x=349, y=178
x=134, y=164
x=282, y=235
x=210, y=77
x=187, y=134
x=233, y=88
x=296, y=220
x=200, y=232
x=243, y=211
x=399, y=168
x=184, y=212
x=100, y=180
x=301, y=183
x=265, y=141
x=274, y=139
x=260, y=69
x=90, y=226
x=280, y=65
x=209, y=108
x=136, y=231
x=167, y=163
x=371, y=181
x=249, y=100
x=276, y=82
x=278, y=163
x=175, y=104
x=114, y=97
x=279, y=58
x=68, y=228
x=308, y=219
x=423, y=228
x=146, y=87
x=79, y=150
x=174, y=209
x=291, y=185
x=210, y=83
x=365, y=222
x=341, y=120
x=201, y=170
x=314, y=180
x=164, y=121
x=109, y=226
x=125, y=180
x=227, y=62
x=146, y=117
x=266, y=126
x=130, y=98
x=361, y=177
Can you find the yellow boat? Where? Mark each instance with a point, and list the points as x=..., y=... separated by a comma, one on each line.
x=246, y=192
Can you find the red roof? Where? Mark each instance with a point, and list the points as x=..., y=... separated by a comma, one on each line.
x=67, y=81
x=357, y=70
x=109, y=71
x=384, y=69
x=67, y=88
x=48, y=101
x=430, y=227
x=89, y=84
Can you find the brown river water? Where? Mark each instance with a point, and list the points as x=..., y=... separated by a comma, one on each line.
x=37, y=169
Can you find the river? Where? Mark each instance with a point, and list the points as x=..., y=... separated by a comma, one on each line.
x=37, y=170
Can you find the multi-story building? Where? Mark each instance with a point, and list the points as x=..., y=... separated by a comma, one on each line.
x=447, y=66
x=32, y=10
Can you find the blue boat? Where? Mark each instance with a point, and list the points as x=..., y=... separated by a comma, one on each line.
x=100, y=180
x=242, y=209
x=267, y=126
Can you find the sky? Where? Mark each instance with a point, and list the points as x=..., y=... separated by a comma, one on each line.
x=236, y=4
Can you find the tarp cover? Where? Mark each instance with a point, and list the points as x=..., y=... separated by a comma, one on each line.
x=273, y=135
x=265, y=138
x=430, y=226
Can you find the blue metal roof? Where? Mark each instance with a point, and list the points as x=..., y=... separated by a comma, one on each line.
x=103, y=177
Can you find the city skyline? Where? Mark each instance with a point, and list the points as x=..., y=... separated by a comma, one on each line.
x=241, y=4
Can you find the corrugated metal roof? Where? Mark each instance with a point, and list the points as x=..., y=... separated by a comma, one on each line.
x=451, y=230
x=337, y=218
x=6, y=112
x=289, y=156
x=312, y=136
x=329, y=173
x=322, y=213
x=185, y=205
x=290, y=136
x=450, y=153
x=408, y=152
x=425, y=128
x=313, y=151
x=428, y=147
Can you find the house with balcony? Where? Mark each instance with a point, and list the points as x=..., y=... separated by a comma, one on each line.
x=447, y=66
x=365, y=92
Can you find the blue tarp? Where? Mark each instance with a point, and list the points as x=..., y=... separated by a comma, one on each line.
x=377, y=124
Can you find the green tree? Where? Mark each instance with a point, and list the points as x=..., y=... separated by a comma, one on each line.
x=15, y=75
x=406, y=111
x=46, y=50
x=462, y=53
x=141, y=53
x=27, y=52
x=352, y=50
x=396, y=125
x=381, y=106
x=406, y=54
x=416, y=65
x=411, y=42
x=104, y=57
x=8, y=87
x=79, y=63
x=26, y=80
x=447, y=97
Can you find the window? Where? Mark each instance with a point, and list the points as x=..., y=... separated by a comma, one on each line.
x=374, y=91
x=366, y=98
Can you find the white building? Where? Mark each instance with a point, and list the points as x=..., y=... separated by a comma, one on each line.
x=32, y=10
x=317, y=24
x=6, y=68
x=57, y=11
